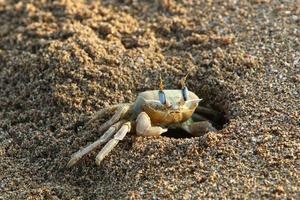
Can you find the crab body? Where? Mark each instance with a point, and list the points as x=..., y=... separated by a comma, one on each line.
x=176, y=110
x=152, y=113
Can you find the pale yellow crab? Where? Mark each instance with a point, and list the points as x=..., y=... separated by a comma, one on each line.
x=152, y=113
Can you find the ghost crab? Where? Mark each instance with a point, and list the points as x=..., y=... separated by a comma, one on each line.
x=152, y=113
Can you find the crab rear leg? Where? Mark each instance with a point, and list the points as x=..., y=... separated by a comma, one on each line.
x=101, y=113
x=144, y=127
x=103, y=139
x=122, y=110
x=197, y=128
x=105, y=111
x=125, y=128
x=111, y=125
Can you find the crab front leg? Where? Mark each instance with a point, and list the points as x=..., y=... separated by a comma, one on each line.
x=208, y=112
x=144, y=127
x=197, y=128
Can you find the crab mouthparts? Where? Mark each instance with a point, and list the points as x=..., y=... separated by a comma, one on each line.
x=175, y=115
x=174, y=111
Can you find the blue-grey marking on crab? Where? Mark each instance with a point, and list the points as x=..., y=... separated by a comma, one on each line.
x=152, y=113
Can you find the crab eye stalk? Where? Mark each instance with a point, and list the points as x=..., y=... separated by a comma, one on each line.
x=185, y=93
x=162, y=97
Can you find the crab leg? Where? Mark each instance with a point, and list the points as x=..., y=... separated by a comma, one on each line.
x=197, y=128
x=208, y=112
x=100, y=114
x=104, y=112
x=121, y=111
x=144, y=127
x=197, y=117
x=113, y=142
x=104, y=138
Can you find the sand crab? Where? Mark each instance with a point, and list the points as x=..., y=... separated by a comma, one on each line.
x=152, y=113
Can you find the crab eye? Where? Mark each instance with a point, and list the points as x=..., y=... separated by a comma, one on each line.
x=162, y=97
x=185, y=93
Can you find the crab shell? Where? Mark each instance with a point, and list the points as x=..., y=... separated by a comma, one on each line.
x=175, y=111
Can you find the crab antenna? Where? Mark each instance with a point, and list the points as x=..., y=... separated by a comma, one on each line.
x=161, y=84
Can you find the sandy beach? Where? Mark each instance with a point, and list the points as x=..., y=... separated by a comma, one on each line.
x=62, y=61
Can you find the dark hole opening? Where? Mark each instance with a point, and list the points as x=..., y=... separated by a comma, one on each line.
x=177, y=133
x=216, y=118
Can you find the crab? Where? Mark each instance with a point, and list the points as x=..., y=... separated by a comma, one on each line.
x=152, y=114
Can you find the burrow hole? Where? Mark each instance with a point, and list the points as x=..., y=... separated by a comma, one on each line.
x=214, y=115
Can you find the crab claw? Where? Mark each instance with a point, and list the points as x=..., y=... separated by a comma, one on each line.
x=144, y=128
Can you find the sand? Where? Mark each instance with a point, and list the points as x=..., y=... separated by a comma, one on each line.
x=61, y=61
